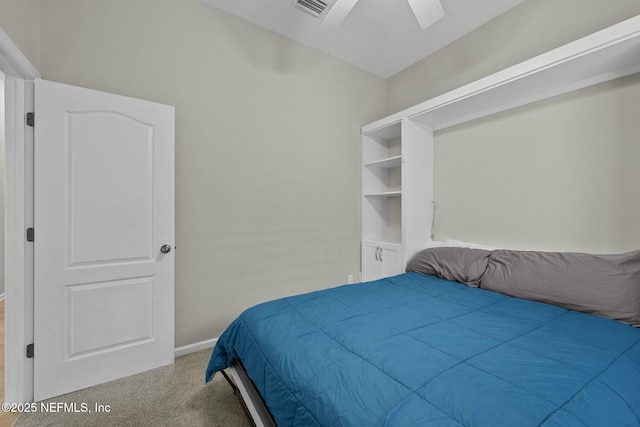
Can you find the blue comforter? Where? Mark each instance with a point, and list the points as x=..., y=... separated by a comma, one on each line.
x=415, y=350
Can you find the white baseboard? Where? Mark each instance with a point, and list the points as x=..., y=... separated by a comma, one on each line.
x=1, y=296
x=192, y=348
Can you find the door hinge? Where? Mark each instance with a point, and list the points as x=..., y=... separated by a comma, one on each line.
x=30, y=351
x=31, y=119
x=30, y=234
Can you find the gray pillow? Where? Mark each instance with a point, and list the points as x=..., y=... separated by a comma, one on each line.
x=463, y=265
x=605, y=285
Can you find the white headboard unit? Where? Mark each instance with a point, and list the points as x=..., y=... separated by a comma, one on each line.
x=605, y=55
x=608, y=54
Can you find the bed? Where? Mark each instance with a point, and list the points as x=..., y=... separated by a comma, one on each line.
x=445, y=344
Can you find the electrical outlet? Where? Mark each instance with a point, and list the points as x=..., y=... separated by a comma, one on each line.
x=350, y=279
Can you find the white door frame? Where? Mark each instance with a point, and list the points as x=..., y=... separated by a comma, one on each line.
x=19, y=75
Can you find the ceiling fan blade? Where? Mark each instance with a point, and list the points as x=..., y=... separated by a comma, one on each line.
x=337, y=13
x=427, y=11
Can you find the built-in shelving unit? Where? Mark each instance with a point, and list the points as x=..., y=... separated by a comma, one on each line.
x=397, y=151
x=382, y=182
x=393, y=174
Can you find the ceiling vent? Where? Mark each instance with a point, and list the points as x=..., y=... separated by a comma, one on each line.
x=330, y=13
x=314, y=7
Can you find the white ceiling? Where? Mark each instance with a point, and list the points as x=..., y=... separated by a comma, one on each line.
x=380, y=36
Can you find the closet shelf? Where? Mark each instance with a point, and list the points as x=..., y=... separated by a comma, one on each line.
x=384, y=194
x=388, y=163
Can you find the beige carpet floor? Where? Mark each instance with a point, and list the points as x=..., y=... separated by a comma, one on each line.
x=170, y=396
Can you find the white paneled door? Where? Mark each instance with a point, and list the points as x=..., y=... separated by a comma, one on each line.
x=104, y=237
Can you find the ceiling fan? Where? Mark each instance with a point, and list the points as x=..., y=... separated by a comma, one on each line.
x=332, y=12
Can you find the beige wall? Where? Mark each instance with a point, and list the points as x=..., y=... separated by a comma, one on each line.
x=558, y=175
x=267, y=144
x=20, y=19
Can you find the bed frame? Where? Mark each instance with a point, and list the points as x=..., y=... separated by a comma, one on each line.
x=602, y=56
x=249, y=397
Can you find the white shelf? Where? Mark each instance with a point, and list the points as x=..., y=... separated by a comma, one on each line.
x=386, y=128
x=388, y=163
x=385, y=194
x=605, y=55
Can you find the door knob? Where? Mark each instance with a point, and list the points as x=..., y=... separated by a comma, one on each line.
x=165, y=249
